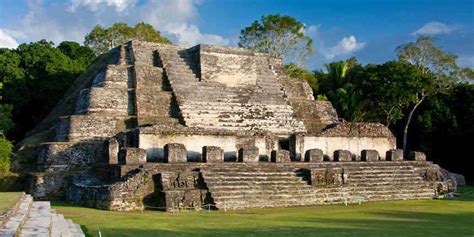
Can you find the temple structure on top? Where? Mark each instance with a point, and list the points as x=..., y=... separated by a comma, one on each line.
x=180, y=127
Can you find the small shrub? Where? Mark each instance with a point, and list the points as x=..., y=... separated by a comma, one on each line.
x=6, y=148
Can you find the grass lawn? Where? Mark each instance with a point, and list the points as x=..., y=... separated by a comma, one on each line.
x=8, y=200
x=453, y=217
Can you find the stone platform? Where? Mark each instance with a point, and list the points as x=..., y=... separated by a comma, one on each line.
x=31, y=218
x=234, y=185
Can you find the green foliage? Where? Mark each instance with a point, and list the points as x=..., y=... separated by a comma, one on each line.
x=392, y=87
x=281, y=36
x=82, y=55
x=430, y=58
x=299, y=73
x=101, y=39
x=6, y=149
x=6, y=122
x=339, y=86
x=35, y=77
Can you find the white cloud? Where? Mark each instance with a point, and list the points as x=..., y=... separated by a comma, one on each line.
x=7, y=41
x=176, y=19
x=347, y=45
x=434, y=28
x=95, y=5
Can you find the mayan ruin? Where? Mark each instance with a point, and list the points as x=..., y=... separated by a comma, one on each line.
x=224, y=128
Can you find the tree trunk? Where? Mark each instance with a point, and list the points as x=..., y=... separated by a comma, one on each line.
x=405, y=131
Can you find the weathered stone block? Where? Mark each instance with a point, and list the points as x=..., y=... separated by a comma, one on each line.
x=212, y=154
x=248, y=154
x=370, y=155
x=280, y=156
x=112, y=151
x=416, y=155
x=184, y=199
x=135, y=156
x=175, y=153
x=327, y=177
x=314, y=155
x=342, y=155
x=394, y=155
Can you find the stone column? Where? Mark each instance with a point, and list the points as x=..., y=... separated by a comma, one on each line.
x=249, y=155
x=212, y=154
x=342, y=155
x=175, y=153
x=280, y=156
x=135, y=156
x=394, y=155
x=369, y=155
x=314, y=155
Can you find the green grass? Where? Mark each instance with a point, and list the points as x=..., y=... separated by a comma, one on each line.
x=453, y=217
x=8, y=200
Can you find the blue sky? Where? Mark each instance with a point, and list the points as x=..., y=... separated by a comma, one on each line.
x=369, y=30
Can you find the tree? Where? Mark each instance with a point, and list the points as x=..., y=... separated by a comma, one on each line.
x=430, y=60
x=81, y=54
x=300, y=73
x=392, y=87
x=280, y=36
x=35, y=76
x=101, y=39
x=338, y=85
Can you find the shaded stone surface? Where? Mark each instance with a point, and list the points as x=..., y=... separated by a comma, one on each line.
x=416, y=155
x=112, y=151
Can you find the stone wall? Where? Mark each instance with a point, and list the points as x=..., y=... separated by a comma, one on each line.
x=88, y=127
x=54, y=156
x=231, y=67
x=194, y=143
x=112, y=101
x=316, y=115
x=126, y=195
x=353, y=144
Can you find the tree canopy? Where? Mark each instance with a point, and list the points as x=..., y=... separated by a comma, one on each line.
x=35, y=76
x=278, y=35
x=102, y=39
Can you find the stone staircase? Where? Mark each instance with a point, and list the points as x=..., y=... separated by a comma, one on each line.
x=37, y=219
x=213, y=105
x=241, y=186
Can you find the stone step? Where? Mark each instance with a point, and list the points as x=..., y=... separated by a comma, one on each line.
x=59, y=227
x=39, y=220
x=239, y=173
x=381, y=172
x=253, y=183
x=12, y=226
x=75, y=229
x=387, y=179
x=318, y=197
x=227, y=204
